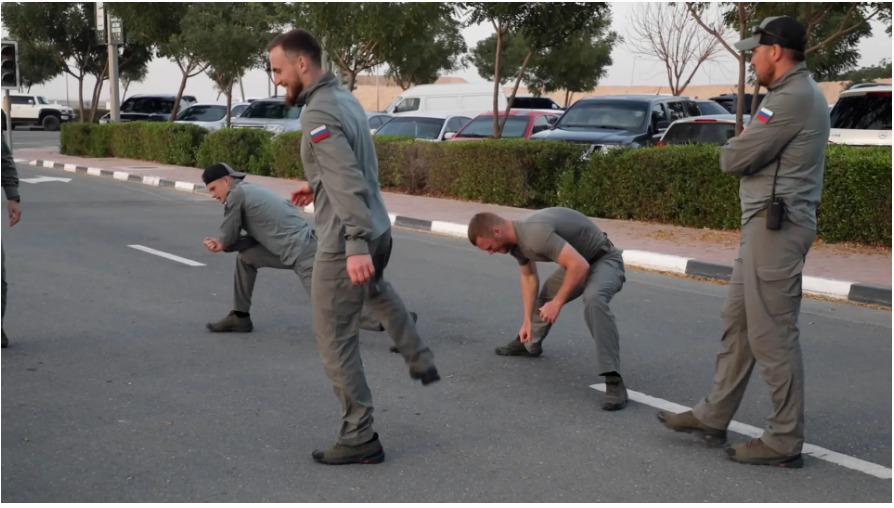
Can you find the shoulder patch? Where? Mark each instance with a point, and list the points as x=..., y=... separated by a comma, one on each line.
x=764, y=115
x=319, y=134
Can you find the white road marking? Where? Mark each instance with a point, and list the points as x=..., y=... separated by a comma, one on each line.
x=43, y=179
x=747, y=430
x=166, y=255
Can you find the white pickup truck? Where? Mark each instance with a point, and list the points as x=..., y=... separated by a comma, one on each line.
x=35, y=111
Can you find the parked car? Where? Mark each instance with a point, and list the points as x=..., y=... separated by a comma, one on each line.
x=519, y=124
x=862, y=116
x=532, y=102
x=377, y=119
x=36, y=111
x=149, y=108
x=210, y=116
x=709, y=129
x=446, y=97
x=619, y=120
x=709, y=107
x=430, y=126
x=730, y=100
x=272, y=114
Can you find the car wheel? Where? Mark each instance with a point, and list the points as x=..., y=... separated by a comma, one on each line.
x=51, y=123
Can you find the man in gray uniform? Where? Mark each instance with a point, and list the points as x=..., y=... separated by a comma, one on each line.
x=10, y=182
x=780, y=154
x=354, y=243
x=590, y=265
x=277, y=237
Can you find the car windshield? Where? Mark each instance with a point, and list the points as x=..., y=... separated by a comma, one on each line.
x=149, y=105
x=711, y=108
x=628, y=116
x=483, y=127
x=422, y=128
x=202, y=113
x=42, y=100
x=715, y=133
x=271, y=110
x=870, y=112
x=534, y=103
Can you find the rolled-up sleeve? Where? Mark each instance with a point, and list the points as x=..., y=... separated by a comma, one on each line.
x=762, y=141
x=341, y=177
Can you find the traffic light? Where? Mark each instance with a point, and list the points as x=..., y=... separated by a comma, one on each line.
x=10, y=66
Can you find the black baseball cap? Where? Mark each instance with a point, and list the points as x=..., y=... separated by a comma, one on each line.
x=782, y=30
x=219, y=170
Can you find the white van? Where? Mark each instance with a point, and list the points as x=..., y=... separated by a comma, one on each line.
x=456, y=97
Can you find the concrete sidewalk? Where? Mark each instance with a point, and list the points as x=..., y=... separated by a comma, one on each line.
x=842, y=271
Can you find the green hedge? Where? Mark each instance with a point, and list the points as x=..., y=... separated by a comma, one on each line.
x=247, y=150
x=675, y=184
x=680, y=185
x=856, y=201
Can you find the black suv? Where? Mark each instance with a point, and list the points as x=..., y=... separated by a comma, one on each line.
x=151, y=108
x=619, y=120
x=730, y=100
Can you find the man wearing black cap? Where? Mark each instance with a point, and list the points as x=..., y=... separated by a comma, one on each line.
x=277, y=237
x=780, y=158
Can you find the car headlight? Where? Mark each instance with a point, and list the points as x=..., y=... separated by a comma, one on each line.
x=275, y=129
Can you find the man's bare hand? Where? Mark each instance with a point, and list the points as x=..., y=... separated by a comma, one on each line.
x=15, y=212
x=524, y=333
x=360, y=268
x=213, y=244
x=550, y=311
x=302, y=196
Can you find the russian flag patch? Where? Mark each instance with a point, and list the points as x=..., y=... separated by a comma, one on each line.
x=764, y=115
x=319, y=134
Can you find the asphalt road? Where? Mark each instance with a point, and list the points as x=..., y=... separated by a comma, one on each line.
x=22, y=138
x=112, y=390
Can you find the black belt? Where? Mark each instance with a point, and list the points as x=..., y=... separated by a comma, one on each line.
x=607, y=247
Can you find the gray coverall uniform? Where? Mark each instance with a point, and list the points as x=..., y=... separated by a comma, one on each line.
x=341, y=167
x=541, y=236
x=10, y=181
x=760, y=314
x=277, y=237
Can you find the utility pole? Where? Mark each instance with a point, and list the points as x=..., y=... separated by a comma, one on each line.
x=109, y=31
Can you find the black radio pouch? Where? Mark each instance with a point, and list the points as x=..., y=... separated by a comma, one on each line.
x=775, y=206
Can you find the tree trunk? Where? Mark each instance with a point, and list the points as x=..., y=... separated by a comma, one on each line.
x=740, y=102
x=521, y=72
x=179, y=94
x=81, y=96
x=497, y=84
x=754, y=101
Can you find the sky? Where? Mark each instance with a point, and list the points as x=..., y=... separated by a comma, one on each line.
x=627, y=68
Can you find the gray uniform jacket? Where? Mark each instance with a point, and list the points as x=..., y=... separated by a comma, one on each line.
x=10, y=174
x=267, y=219
x=342, y=169
x=792, y=124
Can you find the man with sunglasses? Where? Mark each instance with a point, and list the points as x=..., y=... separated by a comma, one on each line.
x=780, y=158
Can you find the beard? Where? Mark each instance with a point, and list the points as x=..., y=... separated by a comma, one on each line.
x=292, y=93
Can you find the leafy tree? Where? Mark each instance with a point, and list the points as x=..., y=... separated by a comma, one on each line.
x=833, y=29
x=359, y=36
x=513, y=50
x=543, y=26
x=36, y=64
x=867, y=74
x=577, y=64
x=64, y=30
x=436, y=46
x=159, y=24
x=228, y=38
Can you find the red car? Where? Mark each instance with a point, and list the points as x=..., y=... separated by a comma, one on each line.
x=520, y=124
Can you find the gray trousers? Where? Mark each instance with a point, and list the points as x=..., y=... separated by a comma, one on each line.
x=337, y=307
x=250, y=260
x=760, y=324
x=3, y=267
x=606, y=278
